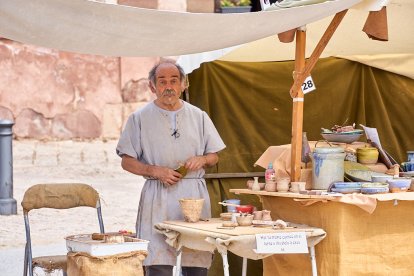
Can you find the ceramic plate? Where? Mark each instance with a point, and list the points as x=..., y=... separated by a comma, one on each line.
x=362, y=175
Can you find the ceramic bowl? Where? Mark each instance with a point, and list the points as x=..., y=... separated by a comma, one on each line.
x=399, y=184
x=348, y=185
x=347, y=138
x=381, y=178
x=245, y=209
x=374, y=190
x=246, y=220
x=226, y=216
x=346, y=190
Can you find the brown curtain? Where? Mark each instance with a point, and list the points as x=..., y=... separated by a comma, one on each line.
x=250, y=105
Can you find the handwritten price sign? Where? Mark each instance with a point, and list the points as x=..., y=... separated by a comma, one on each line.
x=282, y=243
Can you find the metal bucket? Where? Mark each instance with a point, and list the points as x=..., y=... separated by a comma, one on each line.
x=327, y=167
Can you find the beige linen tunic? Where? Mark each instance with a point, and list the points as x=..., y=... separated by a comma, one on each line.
x=148, y=137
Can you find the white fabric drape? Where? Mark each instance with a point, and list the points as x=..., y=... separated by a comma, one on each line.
x=114, y=30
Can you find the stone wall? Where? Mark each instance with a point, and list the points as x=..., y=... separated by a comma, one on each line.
x=55, y=95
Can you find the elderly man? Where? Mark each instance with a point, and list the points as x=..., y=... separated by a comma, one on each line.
x=157, y=139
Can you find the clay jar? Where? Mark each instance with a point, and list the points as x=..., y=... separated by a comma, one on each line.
x=282, y=184
x=266, y=215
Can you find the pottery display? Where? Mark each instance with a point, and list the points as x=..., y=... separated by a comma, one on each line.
x=367, y=155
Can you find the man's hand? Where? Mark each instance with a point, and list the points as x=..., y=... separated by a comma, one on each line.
x=196, y=163
x=167, y=176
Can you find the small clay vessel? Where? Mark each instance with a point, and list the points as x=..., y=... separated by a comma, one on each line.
x=257, y=215
x=282, y=184
x=266, y=215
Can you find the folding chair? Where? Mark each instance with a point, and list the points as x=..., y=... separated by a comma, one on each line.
x=55, y=196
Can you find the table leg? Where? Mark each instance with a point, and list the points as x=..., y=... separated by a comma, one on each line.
x=225, y=263
x=178, y=263
x=244, y=267
x=313, y=261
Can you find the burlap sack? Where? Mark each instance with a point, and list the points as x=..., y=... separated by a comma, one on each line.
x=126, y=264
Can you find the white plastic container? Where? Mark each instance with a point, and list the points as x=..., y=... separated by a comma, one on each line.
x=84, y=243
x=327, y=167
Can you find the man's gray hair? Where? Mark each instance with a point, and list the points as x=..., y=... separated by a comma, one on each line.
x=153, y=72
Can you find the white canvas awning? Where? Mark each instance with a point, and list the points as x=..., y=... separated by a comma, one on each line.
x=349, y=41
x=105, y=29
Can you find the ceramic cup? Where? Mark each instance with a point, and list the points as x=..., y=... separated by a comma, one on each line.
x=257, y=215
x=266, y=215
x=282, y=184
x=232, y=209
x=296, y=187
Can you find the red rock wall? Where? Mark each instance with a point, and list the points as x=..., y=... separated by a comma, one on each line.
x=51, y=94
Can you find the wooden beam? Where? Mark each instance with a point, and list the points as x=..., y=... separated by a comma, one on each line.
x=302, y=75
x=297, y=114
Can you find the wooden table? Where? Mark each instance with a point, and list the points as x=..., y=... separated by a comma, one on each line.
x=375, y=241
x=207, y=236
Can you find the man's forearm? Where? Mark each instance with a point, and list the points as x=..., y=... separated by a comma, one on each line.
x=211, y=159
x=134, y=166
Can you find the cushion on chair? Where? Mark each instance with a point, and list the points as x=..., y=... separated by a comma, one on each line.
x=50, y=263
x=59, y=196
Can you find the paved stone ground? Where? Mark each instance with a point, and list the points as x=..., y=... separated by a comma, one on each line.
x=94, y=163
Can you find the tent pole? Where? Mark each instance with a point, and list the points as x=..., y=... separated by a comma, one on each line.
x=300, y=74
x=297, y=114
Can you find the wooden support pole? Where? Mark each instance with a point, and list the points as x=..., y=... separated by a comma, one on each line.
x=302, y=75
x=302, y=71
x=297, y=114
